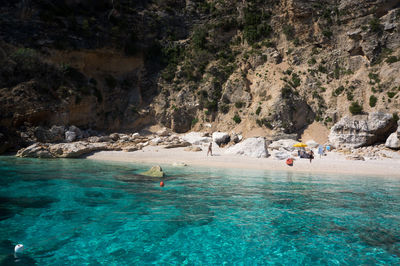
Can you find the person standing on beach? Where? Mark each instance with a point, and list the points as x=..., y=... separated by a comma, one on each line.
x=209, y=149
x=311, y=155
x=320, y=151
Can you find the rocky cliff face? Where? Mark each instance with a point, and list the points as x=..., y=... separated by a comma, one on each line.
x=268, y=66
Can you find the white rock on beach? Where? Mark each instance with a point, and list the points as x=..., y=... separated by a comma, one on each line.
x=76, y=149
x=252, y=147
x=155, y=141
x=196, y=138
x=312, y=144
x=360, y=130
x=135, y=135
x=61, y=150
x=286, y=144
x=393, y=141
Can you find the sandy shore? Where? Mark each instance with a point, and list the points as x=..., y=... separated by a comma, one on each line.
x=333, y=163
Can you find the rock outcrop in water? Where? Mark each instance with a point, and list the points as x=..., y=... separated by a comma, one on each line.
x=362, y=130
x=155, y=171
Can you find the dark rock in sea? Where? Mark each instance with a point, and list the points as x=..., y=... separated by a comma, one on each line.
x=28, y=202
x=381, y=237
x=5, y=213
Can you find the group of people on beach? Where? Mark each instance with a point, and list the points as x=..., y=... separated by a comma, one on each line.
x=300, y=153
x=310, y=154
x=305, y=154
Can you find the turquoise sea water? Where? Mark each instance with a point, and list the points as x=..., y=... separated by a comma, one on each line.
x=81, y=212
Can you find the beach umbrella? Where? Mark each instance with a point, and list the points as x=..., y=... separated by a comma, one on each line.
x=300, y=145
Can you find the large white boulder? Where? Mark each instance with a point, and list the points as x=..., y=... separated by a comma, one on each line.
x=75, y=149
x=196, y=138
x=361, y=130
x=252, y=147
x=393, y=141
x=221, y=138
x=286, y=144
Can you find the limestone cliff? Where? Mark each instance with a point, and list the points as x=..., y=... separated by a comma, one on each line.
x=249, y=66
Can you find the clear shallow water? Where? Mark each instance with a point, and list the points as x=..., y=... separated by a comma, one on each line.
x=81, y=212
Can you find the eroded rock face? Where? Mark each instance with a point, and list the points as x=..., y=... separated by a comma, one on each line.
x=252, y=147
x=221, y=138
x=54, y=134
x=36, y=150
x=362, y=130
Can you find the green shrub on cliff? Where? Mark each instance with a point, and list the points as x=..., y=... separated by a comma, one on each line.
x=375, y=25
x=372, y=101
x=258, y=111
x=392, y=59
x=355, y=108
x=288, y=30
x=237, y=119
x=27, y=59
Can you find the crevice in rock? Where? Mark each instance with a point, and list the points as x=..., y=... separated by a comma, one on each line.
x=356, y=51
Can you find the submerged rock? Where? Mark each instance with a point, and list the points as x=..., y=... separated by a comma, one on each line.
x=155, y=171
x=252, y=147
